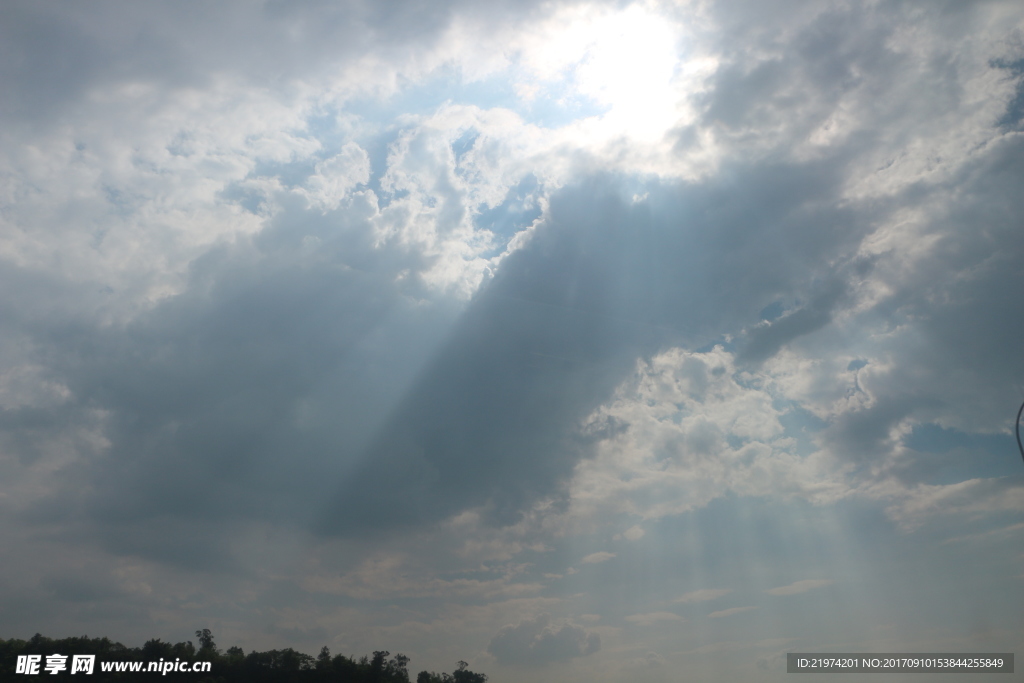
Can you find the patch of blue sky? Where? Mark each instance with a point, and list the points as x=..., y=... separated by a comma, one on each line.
x=773, y=311
x=426, y=97
x=735, y=442
x=249, y=199
x=120, y=203
x=733, y=542
x=551, y=106
x=800, y=425
x=464, y=143
x=329, y=127
x=725, y=342
x=289, y=173
x=948, y=456
x=752, y=546
x=519, y=210
x=377, y=147
x=324, y=127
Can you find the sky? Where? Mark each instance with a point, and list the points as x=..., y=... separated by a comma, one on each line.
x=581, y=341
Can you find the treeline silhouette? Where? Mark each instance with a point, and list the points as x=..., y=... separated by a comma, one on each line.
x=227, y=666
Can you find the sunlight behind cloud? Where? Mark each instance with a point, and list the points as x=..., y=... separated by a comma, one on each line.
x=622, y=61
x=629, y=67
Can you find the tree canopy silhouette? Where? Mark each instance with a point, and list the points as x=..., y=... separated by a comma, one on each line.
x=230, y=666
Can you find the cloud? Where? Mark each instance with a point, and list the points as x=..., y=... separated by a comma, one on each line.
x=703, y=595
x=342, y=283
x=765, y=340
x=260, y=47
x=912, y=506
x=652, y=618
x=536, y=641
x=730, y=611
x=612, y=270
x=698, y=427
x=336, y=177
x=598, y=557
x=800, y=587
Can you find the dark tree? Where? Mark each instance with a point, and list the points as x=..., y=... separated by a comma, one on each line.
x=231, y=666
x=206, y=640
x=462, y=674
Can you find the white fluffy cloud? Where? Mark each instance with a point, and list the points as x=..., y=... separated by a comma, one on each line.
x=691, y=427
x=539, y=641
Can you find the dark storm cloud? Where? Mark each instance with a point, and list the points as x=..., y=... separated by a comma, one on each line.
x=280, y=384
x=76, y=589
x=536, y=641
x=243, y=397
x=962, y=303
x=779, y=81
x=765, y=340
x=286, y=384
x=494, y=420
x=982, y=322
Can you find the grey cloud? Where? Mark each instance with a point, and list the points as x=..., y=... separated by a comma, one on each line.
x=298, y=634
x=78, y=589
x=1015, y=107
x=866, y=436
x=981, y=322
x=55, y=53
x=766, y=339
x=798, y=587
x=309, y=388
x=536, y=641
x=314, y=389
x=957, y=356
x=789, y=73
x=245, y=397
x=791, y=70
x=731, y=611
x=703, y=595
x=495, y=419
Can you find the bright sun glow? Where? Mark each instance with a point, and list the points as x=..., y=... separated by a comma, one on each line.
x=629, y=67
x=624, y=61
